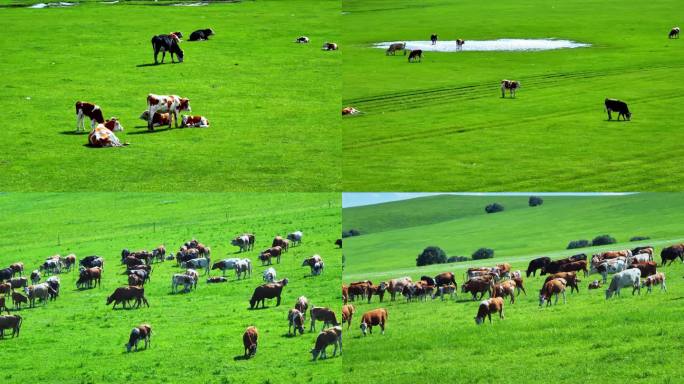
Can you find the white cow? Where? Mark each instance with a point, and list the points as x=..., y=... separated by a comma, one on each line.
x=270, y=275
x=444, y=290
x=243, y=267
x=201, y=262
x=181, y=279
x=226, y=264
x=35, y=276
x=397, y=285
x=611, y=266
x=173, y=104
x=640, y=258
x=295, y=237
x=39, y=291
x=627, y=278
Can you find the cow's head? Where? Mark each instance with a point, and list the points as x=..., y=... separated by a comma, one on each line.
x=479, y=320
x=113, y=125
x=364, y=327
x=609, y=293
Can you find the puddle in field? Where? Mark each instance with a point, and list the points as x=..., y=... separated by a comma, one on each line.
x=489, y=45
x=61, y=4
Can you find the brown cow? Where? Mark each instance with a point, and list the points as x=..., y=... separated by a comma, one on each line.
x=445, y=278
x=125, y=294
x=347, y=314
x=141, y=332
x=249, y=340
x=267, y=291
x=278, y=241
x=90, y=110
x=519, y=285
x=325, y=338
x=302, y=305
x=378, y=290
x=487, y=307
x=478, y=285
x=372, y=318
x=89, y=276
x=5, y=288
x=18, y=299
x=266, y=255
x=570, y=278
x=345, y=294
x=647, y=269
x=19, y=282
x=135, y=280
x=575, y=266
x=69, y=261
x=507, y=288
x=17, y=268
x=12, y=322
x=552, y=287
x=326, y=315
x=358, y=289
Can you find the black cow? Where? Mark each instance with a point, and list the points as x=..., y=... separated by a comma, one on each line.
x=166, y=43
x=6, y=274
x=428, y=280
x=535, y=264
x=201, y=34
x=416, y=53
x=433, y=38
x=672, y=253
x=578, y=257
x=91, y=262
x=613, y=105
x=338, y=243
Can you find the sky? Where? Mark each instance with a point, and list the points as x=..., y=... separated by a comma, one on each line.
x=356, y=199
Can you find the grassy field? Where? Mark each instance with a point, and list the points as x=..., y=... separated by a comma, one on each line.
x=273, y=105
x=629, y=339
x=441, y=126
x=197, y=337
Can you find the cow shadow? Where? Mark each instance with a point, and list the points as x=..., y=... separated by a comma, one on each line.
x=146, y=131
x=74, y=133
x=258, y=309
x=154, y=64
x=290, y=336
x=240, y=357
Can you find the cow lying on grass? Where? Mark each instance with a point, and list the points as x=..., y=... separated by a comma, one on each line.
x=158, y=119
x=325, y=338
x=201, y=34
x=302, y=40
x=329, y=47
x=141, y=332
x=194, y=121
x=103, y=135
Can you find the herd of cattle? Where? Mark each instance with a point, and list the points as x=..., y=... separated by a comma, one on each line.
x=631, y=268
x=194, y=258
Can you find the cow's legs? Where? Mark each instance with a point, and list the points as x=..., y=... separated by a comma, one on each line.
x=610, y=117
x=163, y=56
x=79, y=119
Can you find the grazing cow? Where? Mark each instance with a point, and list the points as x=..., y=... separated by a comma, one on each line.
x=141, y=332
x=302, y=40
x=125, y=294
x=511, y=86
x=674, y=33
x=51, y=266
x=182, y=279
x=574, y=266
x=278, y=241
x=325, y=338
x=135, y=280
x=626, y=278
x=312, y=262
x=504, y=270
x=35, y=276
x=158, y=119
x=245, y=242
x=610, y=266
x=295, y=320
x=550, y=288
x=172, y=104
x=243, y=268
x=444, y=278
x=647, y=268
x=657, y=279
x=415, y=54
x=459, y=44
x=225, y=264
x=270, y=275
x=200, y=263
x=201, y=34
x=89, y=110
x=394, y=47
x=69, y=261
x=670, y=253
x=433, y=38
x=40, y=291
x=267, y=291
x=3, y=305
x=159, y=253
x=194, y=121
x=12, y=322
x=216, y=279
x=295, y=237
x=92, y=262
x=507, y=288
x=372, y=318
x=103, y=137
x=19, y=282
x=487, y=307
x=249, y=340
x=266, y=255
x=53, y=282
x=17, y=268
x=397, y=285
x=326, y=315
x=18, y=299
x=166, y=43
x=89, y=276
x=348, y=311
x=329, y=47
x=570, y=278
x=478, y=285
x=535, y=264
x=338, y=243
x=444, y=290
x=595, y=284
x=614, y=105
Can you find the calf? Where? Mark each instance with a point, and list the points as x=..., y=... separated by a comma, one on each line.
x=302, y=40
x=613, y=105
x=348, y=311
x=216, y=279
x=201, y=34
x=141, y=332
x=326, y=315
x=570, y=279
x=657, y=279
x=487, y=307
x=249, y=340
x=511, y=86
x=194, y=121
x=373, y=318
x=329, y=47
x=173, y=104
x=416, y=54
x=394, y=47
x=444, y=290
x=164, y=43
x=158, y=119
x=18, y=299
x=89, y=110
x=330, y=336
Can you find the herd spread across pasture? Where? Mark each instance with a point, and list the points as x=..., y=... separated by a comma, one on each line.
x=193, y=259
x=630, y=268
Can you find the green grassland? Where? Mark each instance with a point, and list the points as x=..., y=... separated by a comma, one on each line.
x=272, y=104
x=629, y=339
x=196, y=336
x=441, y=125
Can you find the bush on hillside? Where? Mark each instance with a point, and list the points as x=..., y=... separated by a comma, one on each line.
x=578, y=244
x=493, y=208
x=603, y=240
x=483, y=253
x=535, y=201
x=350, y=233
x=431, y=255
x=457, y=259
x=639, y=238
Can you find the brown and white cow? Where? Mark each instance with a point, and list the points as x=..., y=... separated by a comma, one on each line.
x=329, y=336
x=348, y=311
x=158, y=119
x=487, y=307
x=372, y=318
x=570, y=279
x=249, y=340
x=657, y=279
x=550, y=288
x=89, y=110
x=511, y=86
x=397, y=285
x=195, y=121
x=172, y=104
x=507, y=288
x=103, y=135
x=295, y=320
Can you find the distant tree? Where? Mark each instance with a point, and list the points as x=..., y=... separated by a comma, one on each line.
x=578, y=244
x=603, y=240
x=483, y=253
x=493, y=208
x=457, y=259
x=639, y=238
x=431, y=255
x=535, y=200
